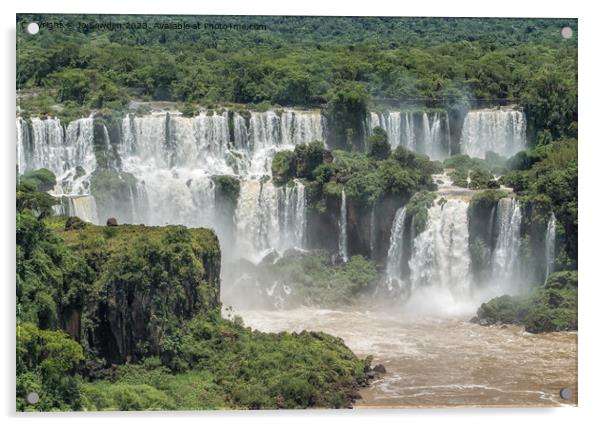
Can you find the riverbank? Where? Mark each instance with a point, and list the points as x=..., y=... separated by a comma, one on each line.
x=443, y=362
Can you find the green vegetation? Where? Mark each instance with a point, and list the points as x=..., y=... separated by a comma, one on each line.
x=552, y=307
x=227, y=186
x=475, y=173
x=128, y=318
x=486, y=200
x=315, y=281
x=364, y=178
x=547, y=177
x=417, y=210
x=42, y=180
x=46, y=362
x=379, y=147
x=343, y=63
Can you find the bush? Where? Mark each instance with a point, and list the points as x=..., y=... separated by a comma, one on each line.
x=380, y=149
x=417, y=209
x=552, y=307
x=42, y=179
x=283, y=166
x=46, y=364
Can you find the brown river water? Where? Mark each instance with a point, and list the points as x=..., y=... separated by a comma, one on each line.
x=443, y=362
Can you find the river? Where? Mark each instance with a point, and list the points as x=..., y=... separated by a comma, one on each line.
x=443, y=362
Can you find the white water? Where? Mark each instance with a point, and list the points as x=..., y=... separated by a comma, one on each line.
x=502, y=131
x=506, y=253
x=550, y=245
x=343, y=249
x=395, y=253
x=84, y=207
x=173, y=159
x=373, y=235
x=440, y=275
x=425, y=133
x=46, y=144
x=269, y=217
x=440, y=256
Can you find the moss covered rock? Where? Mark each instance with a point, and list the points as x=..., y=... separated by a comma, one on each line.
x=552, y=307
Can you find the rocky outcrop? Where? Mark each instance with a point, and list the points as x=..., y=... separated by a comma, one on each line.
x=147, y=282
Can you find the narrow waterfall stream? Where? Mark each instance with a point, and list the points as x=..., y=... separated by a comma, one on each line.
x=343, y=253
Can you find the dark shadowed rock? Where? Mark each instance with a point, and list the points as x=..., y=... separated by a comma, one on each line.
x=111, y=221
x=379, y=368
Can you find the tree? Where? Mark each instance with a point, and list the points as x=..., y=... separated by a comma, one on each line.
x=379, y=144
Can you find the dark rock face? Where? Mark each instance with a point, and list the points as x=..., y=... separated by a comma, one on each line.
x=111, y=221
x=379, y=368
x=147, y=282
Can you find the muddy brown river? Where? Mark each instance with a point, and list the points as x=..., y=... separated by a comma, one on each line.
x=443, y=362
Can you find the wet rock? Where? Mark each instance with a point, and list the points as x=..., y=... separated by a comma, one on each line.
x=379, y=369
x=79, y=172
x=111, y=221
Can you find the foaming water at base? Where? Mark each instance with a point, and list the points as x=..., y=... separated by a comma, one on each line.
x=443, y=362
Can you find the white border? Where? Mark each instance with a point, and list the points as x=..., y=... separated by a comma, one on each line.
x=590, y=295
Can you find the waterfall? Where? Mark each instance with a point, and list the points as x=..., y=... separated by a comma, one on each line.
x=373, y=230
x=506, y=252
x=84, y=207
x=343, y=253
x=270, y=217
x=440, y=256
x=292, y=211
x=68, y=153
x=502, y=131
x=395, y=253
x=550, y=245
x=403, y=130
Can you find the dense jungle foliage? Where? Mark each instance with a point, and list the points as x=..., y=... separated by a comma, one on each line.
x=128, y=318
x=344, y=63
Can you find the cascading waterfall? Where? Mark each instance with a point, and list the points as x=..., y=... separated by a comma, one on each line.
x=502, y=131
x=395, y=253
x=550, y=245
x=84, y=207
x=270, y=217
x=181, y=191
x=343, y=250
x=440, y=256
x=293, y=221
x=506, y=252
x=173, y=160
x=372, y=230
x=68, y=153
x=425, y=133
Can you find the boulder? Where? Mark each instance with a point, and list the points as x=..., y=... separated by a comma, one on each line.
x=379, y=368
x=111, y=221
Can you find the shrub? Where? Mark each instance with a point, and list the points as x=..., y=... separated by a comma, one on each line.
x=380, y=149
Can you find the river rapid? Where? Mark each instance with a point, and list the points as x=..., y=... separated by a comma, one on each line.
x=445, y=361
